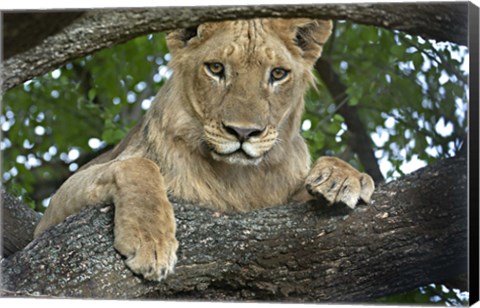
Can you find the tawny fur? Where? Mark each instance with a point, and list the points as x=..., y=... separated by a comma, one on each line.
x=185, y=145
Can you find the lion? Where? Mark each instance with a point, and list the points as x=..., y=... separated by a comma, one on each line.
x=223, y=132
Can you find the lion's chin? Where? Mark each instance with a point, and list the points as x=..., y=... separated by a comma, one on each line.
x=237, y=158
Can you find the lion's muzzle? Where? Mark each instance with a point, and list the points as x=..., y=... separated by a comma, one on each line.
x=234, y=144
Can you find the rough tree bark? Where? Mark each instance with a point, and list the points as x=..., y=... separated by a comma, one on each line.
x=99, y=29
x=18, y=223
x=413, y=232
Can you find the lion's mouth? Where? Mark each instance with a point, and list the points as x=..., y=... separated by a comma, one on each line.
x=237, y=157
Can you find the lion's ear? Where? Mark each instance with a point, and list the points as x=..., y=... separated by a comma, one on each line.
x=181, y=38
x=310, y=36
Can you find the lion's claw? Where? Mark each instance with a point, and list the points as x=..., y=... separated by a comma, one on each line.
x=336, y=181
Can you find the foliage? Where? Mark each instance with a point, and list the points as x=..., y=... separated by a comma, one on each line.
x=411, y=94
x=53, y=123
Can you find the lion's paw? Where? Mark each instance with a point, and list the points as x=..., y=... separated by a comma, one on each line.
x=151, y=255
x=336, y=181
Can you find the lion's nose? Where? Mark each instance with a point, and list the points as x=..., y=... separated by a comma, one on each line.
x=242, y=133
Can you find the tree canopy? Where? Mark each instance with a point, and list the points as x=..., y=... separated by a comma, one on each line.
x=405, y=96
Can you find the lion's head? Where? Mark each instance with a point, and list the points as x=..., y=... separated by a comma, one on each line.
x=244, y=81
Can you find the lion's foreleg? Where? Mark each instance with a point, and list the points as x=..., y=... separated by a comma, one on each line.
x=144, y=221
x=90, y=187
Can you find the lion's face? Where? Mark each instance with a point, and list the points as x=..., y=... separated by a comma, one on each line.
x=245, y=81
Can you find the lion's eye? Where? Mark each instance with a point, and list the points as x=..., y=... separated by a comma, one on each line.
x=278, y=74
x=215, y=68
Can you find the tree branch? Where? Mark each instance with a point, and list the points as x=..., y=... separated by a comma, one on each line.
x=18, y=223
x=413, y=232
x=99, y=29
x=359, y=139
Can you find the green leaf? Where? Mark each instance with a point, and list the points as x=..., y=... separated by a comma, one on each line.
x=339, y=118
x=91, y=94
x=417, y=60
x=353, y=101
x=398, y=51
